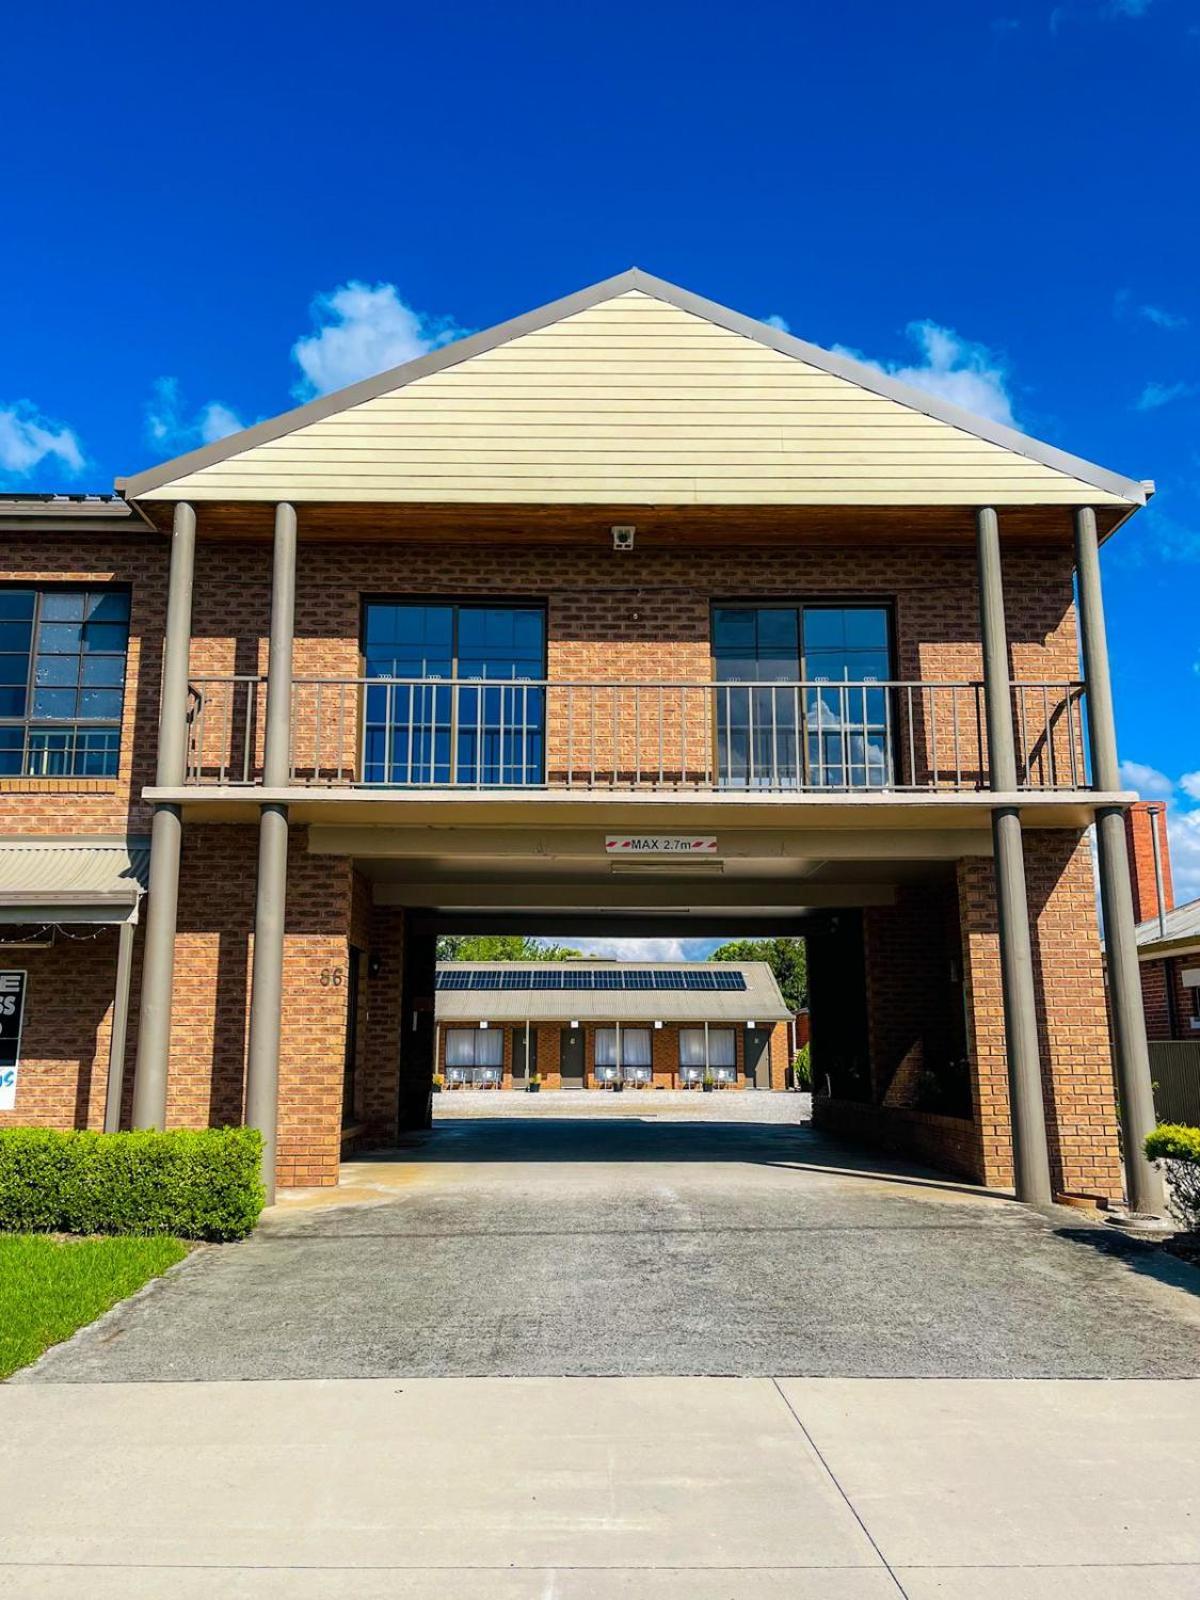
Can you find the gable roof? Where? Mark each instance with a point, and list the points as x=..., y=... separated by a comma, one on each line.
x=1178, y=925
x=634, y=391
x=759, y=1001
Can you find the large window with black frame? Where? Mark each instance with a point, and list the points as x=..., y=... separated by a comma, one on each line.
x=456, y=693
x=62, y=680
x=801, y=697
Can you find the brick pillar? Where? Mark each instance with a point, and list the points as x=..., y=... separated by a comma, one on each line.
x=1140, y=822
x=1077, y=1082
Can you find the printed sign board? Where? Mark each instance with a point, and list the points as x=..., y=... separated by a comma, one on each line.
x=660, y=844
x=12, y=1011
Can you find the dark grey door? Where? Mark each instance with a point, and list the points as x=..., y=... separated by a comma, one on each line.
x=758, y=1058
x=572, y=1058
x=521, y=1068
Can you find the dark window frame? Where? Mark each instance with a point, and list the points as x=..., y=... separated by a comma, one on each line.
x=799, y=606
x=41, y=754
x=457, y=604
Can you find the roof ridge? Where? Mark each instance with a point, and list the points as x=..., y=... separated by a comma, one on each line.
x=634, y=278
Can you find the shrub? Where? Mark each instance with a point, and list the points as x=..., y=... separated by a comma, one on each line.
x=802, y=1067
x=1178, y=1148
x=195, y=1184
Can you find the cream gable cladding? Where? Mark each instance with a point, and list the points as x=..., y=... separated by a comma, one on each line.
x=632, y=401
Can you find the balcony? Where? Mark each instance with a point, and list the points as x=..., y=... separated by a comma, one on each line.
x=752, y=739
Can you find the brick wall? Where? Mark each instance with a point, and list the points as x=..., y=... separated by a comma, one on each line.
x=911, y=950
x=609, y=617
x=627, y=619
x=1141, y=821
x=1072, y=1025
x=97, y=806
x=1168, y=1018
x=63, y=1077
x=210, y=1012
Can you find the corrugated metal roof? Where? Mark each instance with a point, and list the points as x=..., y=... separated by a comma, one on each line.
x=760, y=1001
x=84, y=880
x=1182, y=923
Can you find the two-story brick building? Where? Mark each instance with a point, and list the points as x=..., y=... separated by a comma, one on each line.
x=598, y=1024
x=630, y=611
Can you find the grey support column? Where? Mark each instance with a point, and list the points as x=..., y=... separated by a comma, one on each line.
x=158, y=960
x=1031, y=1161
x=266, y=994
x=1131, y=1059
x=120, y=1027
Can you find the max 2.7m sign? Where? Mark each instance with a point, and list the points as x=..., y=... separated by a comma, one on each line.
x=12, y=1011
x=660, y=844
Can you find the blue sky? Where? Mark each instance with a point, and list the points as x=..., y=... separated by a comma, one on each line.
x=999, y=199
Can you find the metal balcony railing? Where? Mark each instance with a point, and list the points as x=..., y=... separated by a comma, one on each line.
x=685, y=737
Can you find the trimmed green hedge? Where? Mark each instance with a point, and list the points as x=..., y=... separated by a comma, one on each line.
x=1179, y=1147
x=194, y=1184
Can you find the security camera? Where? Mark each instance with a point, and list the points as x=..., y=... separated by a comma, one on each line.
x=623, y=538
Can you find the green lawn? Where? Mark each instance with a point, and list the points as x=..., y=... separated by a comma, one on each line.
x=50, y=1287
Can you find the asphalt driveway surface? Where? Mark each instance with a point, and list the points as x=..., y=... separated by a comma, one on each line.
x=672, y=1244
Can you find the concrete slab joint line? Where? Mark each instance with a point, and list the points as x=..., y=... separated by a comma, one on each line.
x=599, y=1489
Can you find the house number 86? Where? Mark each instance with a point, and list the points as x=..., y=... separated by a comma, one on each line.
x=331, y=978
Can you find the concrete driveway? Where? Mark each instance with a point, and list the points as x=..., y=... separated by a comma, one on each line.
x=650, y=1242
x=421, y=1424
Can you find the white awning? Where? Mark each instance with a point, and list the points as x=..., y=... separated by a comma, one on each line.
x=55, y=880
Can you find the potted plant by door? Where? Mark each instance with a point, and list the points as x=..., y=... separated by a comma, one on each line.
x=708, y=1083
x=438, y=1080
x=535, y=1083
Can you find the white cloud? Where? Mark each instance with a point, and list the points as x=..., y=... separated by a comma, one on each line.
x=959, y=370
x=1127, y=8
x=363, y=330
x=1124, y=305
x=167, y=426
x=27, y=439
x=1184, y=830
x=645, y=949
x=1183, y=822
x=1149, y=782
x=1162, y=394
x=776, y=321
x=1171, y=320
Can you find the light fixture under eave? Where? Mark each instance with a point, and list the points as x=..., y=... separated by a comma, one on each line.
x=673, y=869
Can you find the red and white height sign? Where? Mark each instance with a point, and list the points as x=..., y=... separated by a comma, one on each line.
x=660, y=844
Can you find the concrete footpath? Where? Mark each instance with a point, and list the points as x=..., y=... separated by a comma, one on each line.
x=655, y=1354
x=599, y=1488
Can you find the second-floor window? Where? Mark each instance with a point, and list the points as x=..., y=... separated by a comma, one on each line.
x=800, y=709
x=460, y=698
x=62, y=681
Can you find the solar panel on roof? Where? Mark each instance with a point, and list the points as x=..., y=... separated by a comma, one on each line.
x=636, y=980
x=730, y=980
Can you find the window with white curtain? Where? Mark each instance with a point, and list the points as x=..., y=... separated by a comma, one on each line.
x=691, y=1047
x=722, y=1047
x=635, y=1047
x=474, y=1047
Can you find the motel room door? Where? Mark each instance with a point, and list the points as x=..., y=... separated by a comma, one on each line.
x=758, y=1058
x=571, y=1058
